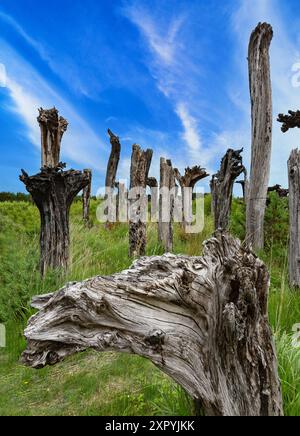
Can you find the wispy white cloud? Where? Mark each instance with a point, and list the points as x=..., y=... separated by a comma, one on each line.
x=68, y=74
x=173, y=70
x=29, y=91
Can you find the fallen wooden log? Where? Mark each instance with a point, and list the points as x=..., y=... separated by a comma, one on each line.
x=201, y=320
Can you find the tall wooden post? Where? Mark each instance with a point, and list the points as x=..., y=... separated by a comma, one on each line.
x=53, y=191
x=222, y=187
x=111, y=174
x=291, y=121
x=294, y=207
x=139, y=172
x=166, y=204
x=86, y=197
x=261, y=106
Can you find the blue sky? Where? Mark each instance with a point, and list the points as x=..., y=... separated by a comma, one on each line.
x=170, y=75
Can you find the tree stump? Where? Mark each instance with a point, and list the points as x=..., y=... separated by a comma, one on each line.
x=138, y=201
x=166, y=204
x=222, y=187
x=53, y=191
x=52, y=128
x=201, y=320
x=191, y=177
x=261, y=106
x=86, y=198
x=294, y=208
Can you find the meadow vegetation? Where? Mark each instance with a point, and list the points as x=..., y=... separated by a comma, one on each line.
x=109, y=383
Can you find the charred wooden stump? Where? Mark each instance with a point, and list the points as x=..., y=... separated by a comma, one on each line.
x=166, y=204
x=86, y=197
x=201, y=320
x=53, y=191
x=191, y=177
x=261, y=105
x=222, y=187
x=294, y=208
x=138, y=202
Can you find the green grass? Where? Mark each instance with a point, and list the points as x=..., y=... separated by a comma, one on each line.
x=115, y=384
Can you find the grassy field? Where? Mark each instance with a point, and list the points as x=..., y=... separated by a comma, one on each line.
x=109, y=383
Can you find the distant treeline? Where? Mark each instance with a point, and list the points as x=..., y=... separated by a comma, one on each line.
x=10, y=196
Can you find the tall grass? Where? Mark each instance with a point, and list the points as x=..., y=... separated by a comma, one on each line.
x=114, y=384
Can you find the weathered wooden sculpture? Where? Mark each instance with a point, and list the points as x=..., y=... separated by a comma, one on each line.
x=86, y=197
x=222, y=187
x=201, y=320
x=138, y=200
x=261, y=106
x=53, y=191
x=191, y=177
x=166, y=204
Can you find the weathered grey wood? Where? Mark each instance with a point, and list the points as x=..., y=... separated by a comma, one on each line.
x=86, y=197
x=261, y=106
x=201, y=320
x=52, y=128
x=191, y=177
x=294, y=207
x=139, y=176
x=289, y=121
x=53, y=191
x=222, y=187
x=166, y=204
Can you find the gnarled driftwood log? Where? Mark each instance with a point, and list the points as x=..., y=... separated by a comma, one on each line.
x=261, y=106
x=138, y=201
x=201, y=320
x=222, y=187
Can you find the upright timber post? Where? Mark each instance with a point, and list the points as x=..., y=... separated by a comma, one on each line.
x=166, y=204
x=86, y=198
x=53, y=191
x=139, y=176
x=261, y=106
x=291, y=121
